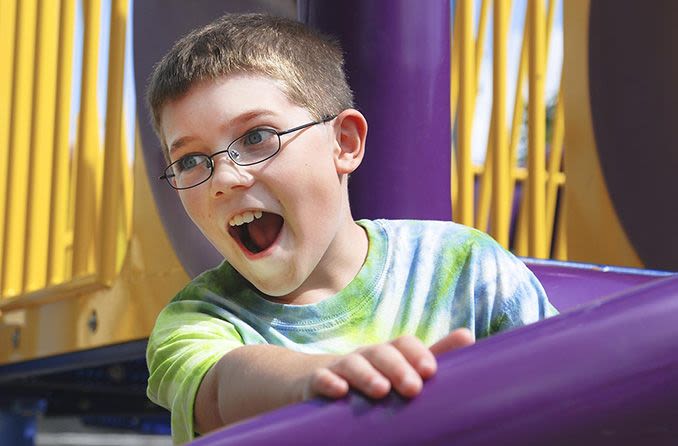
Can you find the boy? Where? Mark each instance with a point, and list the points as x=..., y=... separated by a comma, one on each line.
x=260, y=134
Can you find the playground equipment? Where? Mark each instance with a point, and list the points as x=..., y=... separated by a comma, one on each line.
x=79, y=295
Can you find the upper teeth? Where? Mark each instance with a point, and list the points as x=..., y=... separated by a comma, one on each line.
x=245, y=217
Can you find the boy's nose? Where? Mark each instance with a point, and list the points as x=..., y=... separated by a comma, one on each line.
x=228, y=176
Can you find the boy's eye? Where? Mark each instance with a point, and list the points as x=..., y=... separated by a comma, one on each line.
x=256, y=137
x=188, y=162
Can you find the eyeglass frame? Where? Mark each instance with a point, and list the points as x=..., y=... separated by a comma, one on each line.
x=210, y=158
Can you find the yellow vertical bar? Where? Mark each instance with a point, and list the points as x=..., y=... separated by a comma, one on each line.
x=521, y=240
x=554, y=163
x=482, y=211
x=485, y=188
x=480, y=41
x=500, y=180
x=560, y=249
x=7, y=36
x=467, y=89
x=536, y=132
x=19, y=146
x=88, y=146
x=111, y=199
x=550, y=17
x=62, y=151
x=126, y=189
x=516, y=126
x=518, y=113
x=454, y=96
x=483, y=174
x=41, y=152
x=551, y=177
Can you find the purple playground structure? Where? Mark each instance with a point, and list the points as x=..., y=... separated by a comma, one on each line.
x=604, y=372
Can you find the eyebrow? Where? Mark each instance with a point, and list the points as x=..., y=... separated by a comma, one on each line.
x=238, y=120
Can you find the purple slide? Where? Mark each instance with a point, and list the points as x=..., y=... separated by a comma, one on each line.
x=603, y=372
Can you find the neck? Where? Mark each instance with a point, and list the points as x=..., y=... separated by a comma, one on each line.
x=337, y=268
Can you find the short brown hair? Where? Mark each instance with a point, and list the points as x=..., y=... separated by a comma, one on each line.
x=309, y=64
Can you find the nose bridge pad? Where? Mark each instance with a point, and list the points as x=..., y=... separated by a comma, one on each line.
x=234, y=155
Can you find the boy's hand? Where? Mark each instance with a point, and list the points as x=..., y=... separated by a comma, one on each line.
x=402, y=364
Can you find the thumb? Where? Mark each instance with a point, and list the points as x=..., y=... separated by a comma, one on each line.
x=459, y=338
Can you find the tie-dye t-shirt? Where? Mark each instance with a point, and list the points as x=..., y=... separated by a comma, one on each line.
x=421, y=278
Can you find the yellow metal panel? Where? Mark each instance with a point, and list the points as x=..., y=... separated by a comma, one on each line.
x=54, y=293
x=465, y=121
x=536, y=131
x=587, y=199
x=111, y=199
x=56, y=265
x=19, y=146
x=501, y=210
x=42, y=140
x=7, y=36
x=88, y=156
x=150, y=276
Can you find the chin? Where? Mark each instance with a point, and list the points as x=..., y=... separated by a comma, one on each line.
x=278, y=291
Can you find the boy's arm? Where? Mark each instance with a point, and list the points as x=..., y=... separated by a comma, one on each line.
x=256, y=378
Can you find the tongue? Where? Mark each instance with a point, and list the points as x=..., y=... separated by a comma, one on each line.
x=263, y=231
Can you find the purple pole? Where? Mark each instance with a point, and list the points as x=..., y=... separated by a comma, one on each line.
x=604, y=374
x=398, y=64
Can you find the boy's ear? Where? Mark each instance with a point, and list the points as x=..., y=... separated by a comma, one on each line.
x=351, y=131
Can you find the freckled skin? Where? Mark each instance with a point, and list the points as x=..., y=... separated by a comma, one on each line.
x=320, y=248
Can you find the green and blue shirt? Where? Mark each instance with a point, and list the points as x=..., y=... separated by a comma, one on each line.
x=423, y=278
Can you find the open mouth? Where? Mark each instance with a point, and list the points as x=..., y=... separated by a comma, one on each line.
x=255, y=231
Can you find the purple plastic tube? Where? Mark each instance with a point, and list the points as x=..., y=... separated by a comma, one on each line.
x=603, y=374
x=398, y=64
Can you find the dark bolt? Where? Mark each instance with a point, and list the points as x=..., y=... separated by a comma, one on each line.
x=16, y=338
x=92, y=322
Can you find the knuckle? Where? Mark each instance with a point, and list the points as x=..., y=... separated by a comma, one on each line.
x=408, y=341
x=318, y=375
x=349, y=364
x=321, y=378
x=381, y=350
x=399, y=375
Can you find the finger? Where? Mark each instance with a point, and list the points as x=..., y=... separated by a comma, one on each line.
x=391, y=362
x=326, y=383
x=417, y=354
x=459, y=338
x=362, y=375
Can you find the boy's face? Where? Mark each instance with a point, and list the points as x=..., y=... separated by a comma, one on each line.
x=296, y=199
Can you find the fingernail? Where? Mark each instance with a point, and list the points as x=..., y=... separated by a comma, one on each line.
x=377, y=384
x=412, y=382
x=427, y=365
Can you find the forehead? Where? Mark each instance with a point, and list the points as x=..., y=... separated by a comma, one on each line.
x=217, y=105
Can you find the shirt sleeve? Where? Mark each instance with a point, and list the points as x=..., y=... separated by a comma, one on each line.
x=507, y=293
x=185, y=343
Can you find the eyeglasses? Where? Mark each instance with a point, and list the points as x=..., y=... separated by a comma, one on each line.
x=255, y=146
